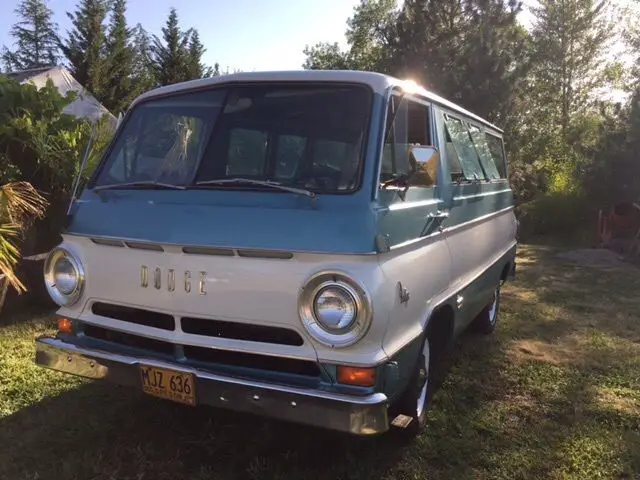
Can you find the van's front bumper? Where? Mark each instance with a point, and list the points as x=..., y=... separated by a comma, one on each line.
x=359, y=415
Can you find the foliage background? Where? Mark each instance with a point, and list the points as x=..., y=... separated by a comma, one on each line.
x=573, y=147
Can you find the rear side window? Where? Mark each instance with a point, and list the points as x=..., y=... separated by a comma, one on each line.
x=484, y=153
x=464, y=149
x=497, y=152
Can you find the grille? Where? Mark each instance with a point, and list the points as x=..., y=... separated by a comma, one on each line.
x=200, y=326
x=129, y=340
x=241, y=331
x=206, y=355
x=252, y=360
x=134, y=315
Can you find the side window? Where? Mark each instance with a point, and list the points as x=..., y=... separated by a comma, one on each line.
x=497, y=152
x=410, y=127
x=464, y=149
x=289, y=155
x=486, y=157
x=247, y=152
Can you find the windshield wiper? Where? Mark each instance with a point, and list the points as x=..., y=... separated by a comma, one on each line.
x=141, y=183
x=263, y=183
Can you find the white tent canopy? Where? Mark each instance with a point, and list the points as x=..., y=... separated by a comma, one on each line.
x=84, y=106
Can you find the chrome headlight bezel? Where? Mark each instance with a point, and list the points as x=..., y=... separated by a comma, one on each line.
x=331, y=337
x=63, y=299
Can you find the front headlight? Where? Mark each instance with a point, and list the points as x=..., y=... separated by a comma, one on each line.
x=335, y=310
x=63, y=276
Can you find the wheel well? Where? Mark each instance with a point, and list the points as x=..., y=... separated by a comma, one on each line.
x=505, y=272
x=440, y=328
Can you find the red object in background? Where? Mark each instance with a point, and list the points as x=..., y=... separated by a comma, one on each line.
x=623, y=221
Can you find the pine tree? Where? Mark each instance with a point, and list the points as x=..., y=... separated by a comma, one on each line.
x=197, y=69
x=143, y=71
x=35, y=35
x=570, y=39
x=170, y=56
x=85, y=45
x=119, y=87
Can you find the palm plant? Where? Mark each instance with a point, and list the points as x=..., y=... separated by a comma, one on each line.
x=20, y=204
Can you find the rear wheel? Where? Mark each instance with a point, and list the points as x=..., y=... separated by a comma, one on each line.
x=487, y=320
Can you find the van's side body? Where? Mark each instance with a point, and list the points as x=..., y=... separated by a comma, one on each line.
x=212, y=282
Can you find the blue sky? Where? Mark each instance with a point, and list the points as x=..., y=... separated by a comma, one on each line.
x=242, y=34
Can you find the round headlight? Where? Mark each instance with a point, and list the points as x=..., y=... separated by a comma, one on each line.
x=63, y=276
x=334, y=309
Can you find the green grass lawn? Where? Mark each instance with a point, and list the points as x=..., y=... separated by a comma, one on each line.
x=554, y=394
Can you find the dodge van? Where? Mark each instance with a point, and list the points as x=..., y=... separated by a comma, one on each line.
x=300, y=245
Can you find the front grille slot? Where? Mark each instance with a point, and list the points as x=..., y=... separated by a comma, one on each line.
x=241, y=331
x=134, y=315
x=206, y=355
x=251, y=360
x=128, y=340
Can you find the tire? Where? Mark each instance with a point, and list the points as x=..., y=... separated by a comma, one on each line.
x=486, y=321
x=416, y=399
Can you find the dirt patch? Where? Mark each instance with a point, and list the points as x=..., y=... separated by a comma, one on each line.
x=621, y=403
x=596, y=257
x=527, y=350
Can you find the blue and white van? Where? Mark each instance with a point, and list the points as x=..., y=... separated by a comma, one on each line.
x=301, y=245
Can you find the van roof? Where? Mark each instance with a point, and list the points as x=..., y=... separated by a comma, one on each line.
x=377, y=81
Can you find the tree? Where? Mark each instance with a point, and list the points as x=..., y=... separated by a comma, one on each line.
x=325, y=56
x=196, y=68
x=119, y=88
x=470, y=51
x=172, y=62
x=370, y=33
x=35, y=35
x=570, y=38
x=143, y=69
x=86, y=44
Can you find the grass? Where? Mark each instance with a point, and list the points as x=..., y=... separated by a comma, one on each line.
x=553, y=394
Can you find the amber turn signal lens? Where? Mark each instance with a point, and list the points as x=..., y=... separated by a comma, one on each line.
x=65, y=325
x=361, y=377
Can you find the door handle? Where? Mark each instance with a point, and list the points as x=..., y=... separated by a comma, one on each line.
x=438, y=214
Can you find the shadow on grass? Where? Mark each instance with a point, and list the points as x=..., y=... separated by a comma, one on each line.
x=99, y=431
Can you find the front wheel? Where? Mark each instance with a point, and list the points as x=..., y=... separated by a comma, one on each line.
x=410, y=411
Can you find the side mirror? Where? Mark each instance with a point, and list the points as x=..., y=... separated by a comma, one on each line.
x=424, y=161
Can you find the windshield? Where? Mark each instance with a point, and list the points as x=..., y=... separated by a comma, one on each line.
x=309, y=137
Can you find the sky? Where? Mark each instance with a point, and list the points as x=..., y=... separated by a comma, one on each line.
x=238, y=34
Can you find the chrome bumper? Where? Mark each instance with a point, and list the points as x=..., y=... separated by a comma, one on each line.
x=365, y=415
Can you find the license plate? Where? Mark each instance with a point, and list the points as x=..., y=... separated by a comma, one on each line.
x=168, y=384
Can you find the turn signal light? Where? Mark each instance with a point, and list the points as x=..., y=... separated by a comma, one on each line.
x=65, y=325
x=361, y=377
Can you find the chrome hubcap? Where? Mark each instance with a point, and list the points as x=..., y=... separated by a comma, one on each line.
x=493, y=311
x=424, y=377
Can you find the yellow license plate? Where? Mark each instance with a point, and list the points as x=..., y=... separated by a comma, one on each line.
x=168, y=384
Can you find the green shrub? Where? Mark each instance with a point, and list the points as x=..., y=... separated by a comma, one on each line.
x=566, y=214
x=41, y=144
